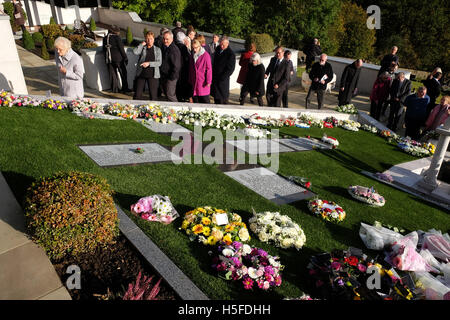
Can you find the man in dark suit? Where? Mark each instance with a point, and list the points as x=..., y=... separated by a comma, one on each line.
x=311, y=52
x=223, y=67
x=400, y=89
x=433, y=90
x=171, y=66
x=349, y=82
x=278, y=70
x=116, y=59
x=389, y=60
x=321, y=74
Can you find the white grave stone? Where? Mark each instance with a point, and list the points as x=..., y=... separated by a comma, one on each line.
x=124, y=154
x=159, y=127
x=303, y=144
x=270, y=185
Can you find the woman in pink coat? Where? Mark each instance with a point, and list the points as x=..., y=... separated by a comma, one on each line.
x=439, y=114
x=200, y=73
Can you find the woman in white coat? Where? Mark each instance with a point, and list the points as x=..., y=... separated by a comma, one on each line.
x=70, y=69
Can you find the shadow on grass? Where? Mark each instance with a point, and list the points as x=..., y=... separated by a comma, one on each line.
x=347, y=160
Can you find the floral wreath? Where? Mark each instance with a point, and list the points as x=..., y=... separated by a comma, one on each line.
x=328, y=210
x=367, y=195
x=330, y=140
x=277, y=228
x=253, y=267
x=210, y=225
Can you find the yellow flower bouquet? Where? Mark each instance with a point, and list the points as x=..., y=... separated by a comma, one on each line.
x=210, y=225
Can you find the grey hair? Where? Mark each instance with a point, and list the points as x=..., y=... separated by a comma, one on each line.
x=224, y=38
x=168, y=32
x=63, y=42
x=180, y=37
x=256, y=57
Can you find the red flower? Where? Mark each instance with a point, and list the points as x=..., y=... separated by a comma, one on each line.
x=325, y=201
x=308, y=185
x=352, y=260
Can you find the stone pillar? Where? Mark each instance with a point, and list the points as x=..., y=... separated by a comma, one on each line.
x=429, y=181
x=30, y=18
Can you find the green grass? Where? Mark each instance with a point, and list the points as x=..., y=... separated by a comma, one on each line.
x=36, y=143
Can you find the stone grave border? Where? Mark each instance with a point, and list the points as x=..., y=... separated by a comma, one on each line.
x=166, y=268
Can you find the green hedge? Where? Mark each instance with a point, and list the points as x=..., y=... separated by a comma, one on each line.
x=264, y=42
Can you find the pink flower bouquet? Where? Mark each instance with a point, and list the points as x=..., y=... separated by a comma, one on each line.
x=155, y=208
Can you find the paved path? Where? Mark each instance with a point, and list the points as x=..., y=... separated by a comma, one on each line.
x=26, y=273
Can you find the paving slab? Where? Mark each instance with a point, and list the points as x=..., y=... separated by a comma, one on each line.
x=259, y=146
x=26, y=274
x=59, y=294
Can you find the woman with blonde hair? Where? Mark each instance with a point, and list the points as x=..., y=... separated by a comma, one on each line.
x=70, y=69
x=202, y=40
x=254, y=81
x=200, y=73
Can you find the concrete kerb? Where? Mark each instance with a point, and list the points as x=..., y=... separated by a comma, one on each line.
x=173, y=276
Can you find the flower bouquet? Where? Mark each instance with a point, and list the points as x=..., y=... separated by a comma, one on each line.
x=255, y=132
x=277, y=228
x=304, y=182
x=369, y=128
x=127, y=111
x=139, y=150
x=252, y=267
x=332, y=120
x=348, y=108
x=350, y=125
x=86, y=106
x=54, y=104
x=310, y=120
x=416, y=150
x=328, y=210
x=330, y=140
x=367, y=195
x=302, y=125
x=209, y=225
x=157, y=113
x=155, y=208
x=344, y=275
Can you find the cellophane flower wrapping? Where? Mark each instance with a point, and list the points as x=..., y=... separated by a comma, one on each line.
x=155, y=208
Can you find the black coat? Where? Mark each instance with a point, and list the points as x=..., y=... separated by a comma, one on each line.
x=433, y=88
x=279, y=75
x=318, y=71
x=405, y=90
x=387, y=61
x=171, y=62
x=349, y=81
x=223, y=68
x=254, y=82
x=117, y=50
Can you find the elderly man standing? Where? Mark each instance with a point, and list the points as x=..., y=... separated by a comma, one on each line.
x=223, y=68
x=279, y=77
x=321, y=74
x=171, y=66
x=416, y=112
x=400, y=89
x=349, y=82
x=389, y=60
x=312, y=51
x=70, y=69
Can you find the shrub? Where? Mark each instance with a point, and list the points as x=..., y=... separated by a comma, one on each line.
x=52, y=21
x=264, y=42
x=92, y=25
x=50, y=42
x=77, y=41
x=129, y=36
x=51, y=31
x=142, y=289
x=71, y=213
x=44, y=52
x=145, y=32
x=89, y=45
x=38, y=37
x=28, y=42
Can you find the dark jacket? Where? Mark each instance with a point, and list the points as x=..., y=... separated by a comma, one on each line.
x=116, y=48
x=387, y=61
x=402, y=92
x=416, y=108
x=278, y=75
x=254, y=81
x=19, y=18
x=171, y=62
x=433, y=88
x=223, y=68
x=318, y=71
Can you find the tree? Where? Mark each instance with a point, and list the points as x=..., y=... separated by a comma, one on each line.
x=231, y=17
x=28, y=42
x=161, y=11
x=92, y=25
x=357, y=41
x=129, y=36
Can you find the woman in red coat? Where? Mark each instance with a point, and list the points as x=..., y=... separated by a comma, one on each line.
x=200, y=73
x=380, y=93
x=244, y=61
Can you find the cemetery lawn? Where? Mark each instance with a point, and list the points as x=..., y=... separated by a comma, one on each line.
x=35, y=143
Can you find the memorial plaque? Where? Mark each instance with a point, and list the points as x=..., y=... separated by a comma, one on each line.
x=259, y=146
x=270, y=185
x=159, y=127
x=92, y=115
x=303, y=144
x=124, y=154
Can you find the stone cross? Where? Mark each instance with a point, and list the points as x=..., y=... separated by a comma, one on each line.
x=429, y=181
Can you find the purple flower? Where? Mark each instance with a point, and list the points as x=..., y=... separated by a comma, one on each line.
x=341, y=282
x=237, y=245
x=362, y=267
x=335, y=265
x=262, y=253
x=269, y=270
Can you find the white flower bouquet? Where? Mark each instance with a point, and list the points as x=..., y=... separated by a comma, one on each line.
x=366, y=195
